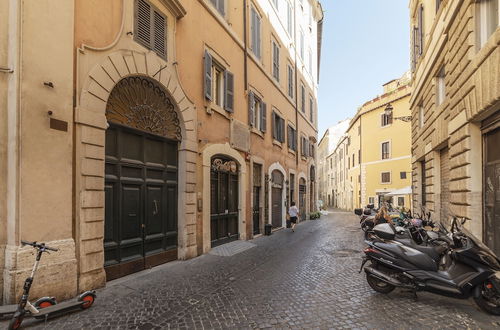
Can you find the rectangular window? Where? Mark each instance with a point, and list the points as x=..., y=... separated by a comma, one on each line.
x=386, y=177
x=276, y=61
x=150, y=27
x=421, y=116
x=302, y=98
x=301, y=49
x=386, y=120
x=278, y=128
x=292, y=138
x=421, y=33
x=289, y=18
x=218, y=83
x=290, y=81
x=304, y=148
x=401, y=201
x=257, y=112
x=385, y=150
x=487, y=20
x=311, y=109
x=255, y=31
x=440, y=87
x=219, y=5
x=359, y=156
x=402, y=175
x=371, y=200
x=353, y=160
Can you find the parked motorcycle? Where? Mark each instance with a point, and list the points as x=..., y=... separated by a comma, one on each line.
x=473, y=269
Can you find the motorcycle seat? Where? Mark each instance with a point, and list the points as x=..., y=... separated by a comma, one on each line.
x=432, y=251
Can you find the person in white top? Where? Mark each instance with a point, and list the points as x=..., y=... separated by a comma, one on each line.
x=293, y=211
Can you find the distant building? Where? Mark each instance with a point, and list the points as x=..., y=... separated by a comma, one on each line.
x=325, y=169
x=455, y=105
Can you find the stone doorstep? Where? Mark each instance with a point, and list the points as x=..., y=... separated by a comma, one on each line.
x=232, y=248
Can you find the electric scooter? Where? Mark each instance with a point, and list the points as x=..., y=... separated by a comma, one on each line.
x=43, y=310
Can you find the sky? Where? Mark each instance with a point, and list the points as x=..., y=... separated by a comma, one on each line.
x=365, y=44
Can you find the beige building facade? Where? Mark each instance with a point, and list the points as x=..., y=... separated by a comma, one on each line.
x=126, y=146
x=455, y=106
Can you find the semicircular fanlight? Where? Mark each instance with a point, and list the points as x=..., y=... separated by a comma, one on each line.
x=140, y=103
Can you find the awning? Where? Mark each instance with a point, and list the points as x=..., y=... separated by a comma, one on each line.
x=402, y=191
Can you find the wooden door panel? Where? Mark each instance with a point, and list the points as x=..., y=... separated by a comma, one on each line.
x=111, y=228
x=277, y=207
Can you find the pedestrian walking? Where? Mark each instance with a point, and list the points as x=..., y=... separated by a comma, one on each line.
x=293, y=212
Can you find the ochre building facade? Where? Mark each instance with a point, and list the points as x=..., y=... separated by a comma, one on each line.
x=151, y=132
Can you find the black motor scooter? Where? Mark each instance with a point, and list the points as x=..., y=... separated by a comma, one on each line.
x=25, y=308
x=474, y=270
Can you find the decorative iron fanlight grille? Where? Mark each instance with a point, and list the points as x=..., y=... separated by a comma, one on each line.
x=139, y=102
x=222, y=165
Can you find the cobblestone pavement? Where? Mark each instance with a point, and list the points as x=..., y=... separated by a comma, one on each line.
x=307, y=279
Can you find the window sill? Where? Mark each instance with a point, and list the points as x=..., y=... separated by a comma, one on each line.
x=277, y=143
x=386, y=126
x=257, y=132
x=211, y=107
x=304, y=158
x=292, y=152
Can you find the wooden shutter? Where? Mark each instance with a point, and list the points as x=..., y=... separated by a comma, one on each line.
x=295, y=139
x=220, y=7
x=251, y=110
x=143, y=23
x=263, y=117
x=159, y=34
x=290, y=137
x=281, y=123
x=228, y=91
x=274, y=127
x=208, y=76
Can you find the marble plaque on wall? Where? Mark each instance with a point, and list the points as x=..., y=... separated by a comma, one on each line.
x=240, y=136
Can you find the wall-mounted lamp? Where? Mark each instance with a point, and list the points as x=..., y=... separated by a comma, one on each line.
x=388, y=112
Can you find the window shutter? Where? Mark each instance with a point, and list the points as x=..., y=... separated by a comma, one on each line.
x=290, y=137
x=143, y=23
x=295, y=140
x=159, y=33
x=263, y=117
x=208, y=76
x=307, y=147
x=274, y=126
x=282, y=130
x=229, y=91
x=251, y=104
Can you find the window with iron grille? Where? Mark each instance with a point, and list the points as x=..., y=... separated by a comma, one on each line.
x=385, y=150
x=150, y=27
x=386, y=177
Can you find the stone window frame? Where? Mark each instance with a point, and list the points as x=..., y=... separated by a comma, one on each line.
x=388, y=150
x=484, y=23
x=382, y=177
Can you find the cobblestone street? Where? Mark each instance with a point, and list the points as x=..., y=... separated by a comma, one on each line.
x=307, y=279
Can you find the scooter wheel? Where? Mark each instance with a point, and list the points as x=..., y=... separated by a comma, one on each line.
x=378, y=285
x=45, y=303
x=88, y=301
x=488, y=298
x=15, y=322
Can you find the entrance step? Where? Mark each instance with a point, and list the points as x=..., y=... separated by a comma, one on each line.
x=232, y=248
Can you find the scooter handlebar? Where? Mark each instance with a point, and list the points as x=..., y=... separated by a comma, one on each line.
x=39, y=245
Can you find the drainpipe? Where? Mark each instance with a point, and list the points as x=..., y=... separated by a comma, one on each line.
x=245, y=41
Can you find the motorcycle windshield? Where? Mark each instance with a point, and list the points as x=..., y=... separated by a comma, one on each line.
x=481, y=245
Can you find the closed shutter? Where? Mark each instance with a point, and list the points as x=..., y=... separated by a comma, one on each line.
x=251, y=105
x=290, y=137
x=263, y=117
x=143, y=23
x=208, y=76
x=257, y=34
x=282, y=130
x=445, y=184
x=159, y=34
x=295, y=140
x=229, y=91
x=274, y=127
x=220, y=7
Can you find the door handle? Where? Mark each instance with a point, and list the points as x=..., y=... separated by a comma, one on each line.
x=155, y=211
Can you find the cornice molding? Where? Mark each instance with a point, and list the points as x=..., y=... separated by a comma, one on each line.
x=176, y=7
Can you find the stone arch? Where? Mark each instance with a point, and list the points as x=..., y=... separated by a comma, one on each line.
x=207, y=154
x=276, y=166
x=98, y=73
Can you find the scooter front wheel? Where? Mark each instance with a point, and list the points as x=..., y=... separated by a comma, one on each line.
x=88, y=299
x=488, y=299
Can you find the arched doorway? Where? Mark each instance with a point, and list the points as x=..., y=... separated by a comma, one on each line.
x=302, y=198
x=277, y=182
x=223, y=200
x=141, y=177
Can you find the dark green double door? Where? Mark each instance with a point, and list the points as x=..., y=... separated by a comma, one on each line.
x=141, y=201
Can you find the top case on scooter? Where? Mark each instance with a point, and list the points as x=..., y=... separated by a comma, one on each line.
x=418, y=259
